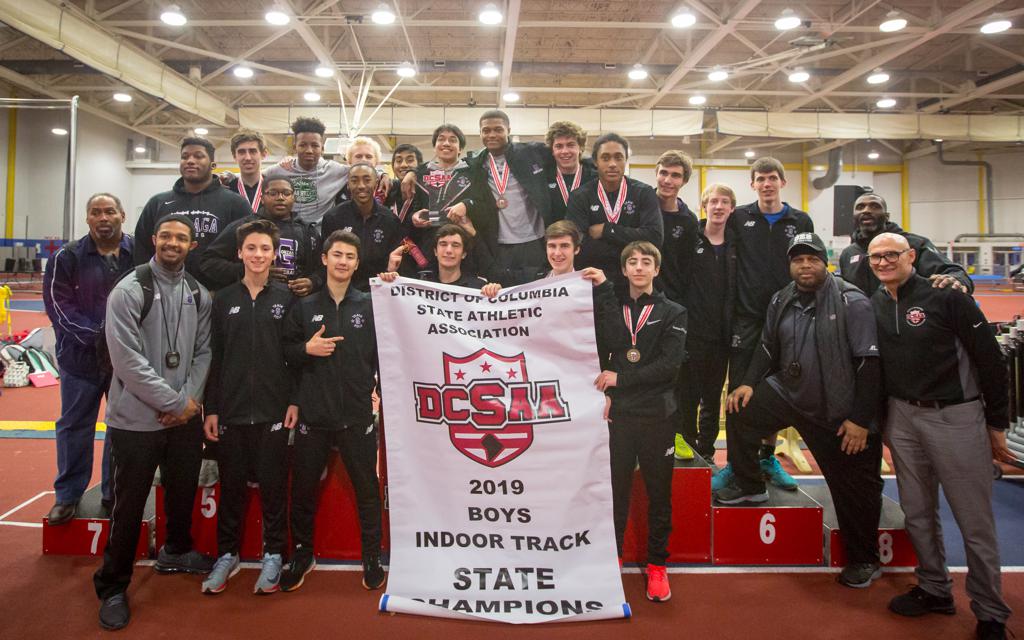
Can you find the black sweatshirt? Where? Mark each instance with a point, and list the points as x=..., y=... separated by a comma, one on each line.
x=763, y=266
x=334, y=391
x=558, y=205
x=677, y=253
x=709, y=292
x=211, y=211
x=936, y=345
x=639, y=219
x=299, y=253
x=854, y=267
x=249, y=381
x=645, y=389
x=379, y=235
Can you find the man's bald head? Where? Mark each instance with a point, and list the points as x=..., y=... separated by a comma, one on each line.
x=891, y=258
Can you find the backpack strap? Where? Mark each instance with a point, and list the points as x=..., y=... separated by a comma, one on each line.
x=144, y=274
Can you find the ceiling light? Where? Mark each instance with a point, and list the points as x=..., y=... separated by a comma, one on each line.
x=311, y=96
x=406, y=70
x=878, y=77
x=697, y=100
x=277, y=17
x=511, y=96
x=886, y=103
x=749, y=153
x=382, y=15
x=173, y=16
x=140, y=149
x=873, y=155
x=996, y=24
x=788, y=20
x=683, y=19
x=57, y=131
x=122, y=97
x=490, y=14
x=637, y=72
x=242, y=71
x=490, y=71
x=799, y=75
x=718, y=74
x=893, y=22
x=324, y=72
x=201, y=131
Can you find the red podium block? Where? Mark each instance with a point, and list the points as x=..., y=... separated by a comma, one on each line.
x=786, y=530
x=894, y=547
x=690, y=540
x=336, y=535
x=87, y=533
x=204, y=522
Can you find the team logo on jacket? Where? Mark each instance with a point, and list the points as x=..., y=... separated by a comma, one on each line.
x=490, y=405
x=677, y=232
x=378, y=235
x=461, y=182
x=916, y=316
x=790, y=231
x=277, y=311
x=628, y=207
x=357, y=320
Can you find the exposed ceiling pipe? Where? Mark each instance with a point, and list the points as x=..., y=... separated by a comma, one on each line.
x=990, y=215
x=835, y=167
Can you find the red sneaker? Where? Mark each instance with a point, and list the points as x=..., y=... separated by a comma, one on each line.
x=657, y=583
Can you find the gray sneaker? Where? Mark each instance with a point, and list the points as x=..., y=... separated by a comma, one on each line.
x=859, y=575
x=189, y=562
x=270, y=574
x=223, y=570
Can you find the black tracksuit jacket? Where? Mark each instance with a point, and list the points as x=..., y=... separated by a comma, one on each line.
x=379, y=235
x=710, y=290
x=677, y=252
x=559, y=206
x=645, y=390
x=763, y=266
x=249, y=381
x=333, y=391
x=299, y=252
x=211, y=211
x=936, y=345
x=854, y=267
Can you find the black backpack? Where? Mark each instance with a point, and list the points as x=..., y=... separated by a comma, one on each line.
x=144, y=274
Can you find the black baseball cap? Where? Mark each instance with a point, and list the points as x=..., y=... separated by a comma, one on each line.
x=807, y=243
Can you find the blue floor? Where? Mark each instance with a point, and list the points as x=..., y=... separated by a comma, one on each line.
x=1008, y=504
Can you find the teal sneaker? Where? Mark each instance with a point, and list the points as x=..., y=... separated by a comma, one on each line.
x=226, y=567
x=775, y=474
x=270, y=574
x=722, y=479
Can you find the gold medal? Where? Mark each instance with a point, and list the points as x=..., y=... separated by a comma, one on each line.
x=633, y=355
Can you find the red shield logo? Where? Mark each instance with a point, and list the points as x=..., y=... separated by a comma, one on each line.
x=496, y=445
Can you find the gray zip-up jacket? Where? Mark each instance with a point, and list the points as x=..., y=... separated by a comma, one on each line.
x=143, y=386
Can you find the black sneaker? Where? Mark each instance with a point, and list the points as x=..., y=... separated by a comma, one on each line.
x=918, y=602
x=859, y=575
x=738, y=496
x=295, y=574
x=373, y=573
x=188, y=562
x=990, y=630
x=114, y=612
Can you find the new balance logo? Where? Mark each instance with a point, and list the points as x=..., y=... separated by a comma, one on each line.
x=750, y=223
x=233, y=310
x=318, y=318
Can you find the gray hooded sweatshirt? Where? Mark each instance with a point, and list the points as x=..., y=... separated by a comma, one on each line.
x=143, y=386
x=315, y=190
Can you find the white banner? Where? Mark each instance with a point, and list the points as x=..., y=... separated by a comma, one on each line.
x=497, y=456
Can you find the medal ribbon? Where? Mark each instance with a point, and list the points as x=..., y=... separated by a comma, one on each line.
x=255, y=204
x=405, y=209
x=500, y=183
x=575, y=183
x=645, y=313
x=612, y=214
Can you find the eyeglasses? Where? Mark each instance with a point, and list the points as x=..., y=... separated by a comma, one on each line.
x=273, y=193
x=889, y=256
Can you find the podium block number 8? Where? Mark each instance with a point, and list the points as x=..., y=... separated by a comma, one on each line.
x=767, y=528
x=885, y=547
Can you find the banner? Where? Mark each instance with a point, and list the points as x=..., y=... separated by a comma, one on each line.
x=498, y=471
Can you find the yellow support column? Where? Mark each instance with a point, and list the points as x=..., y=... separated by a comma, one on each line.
x=905, y=195
x=804, y=185
x=702, y=183
x=981, y=197
x=12, y=146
